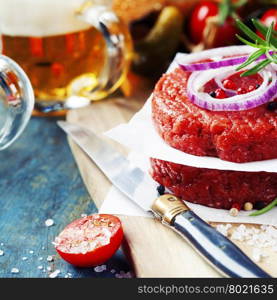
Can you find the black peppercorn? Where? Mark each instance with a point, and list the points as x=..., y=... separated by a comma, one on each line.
x=212, y=94
x=272, y=106
x=161, y=190
x=259, y=205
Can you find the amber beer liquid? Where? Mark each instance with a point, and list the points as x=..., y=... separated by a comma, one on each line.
x=52, y=45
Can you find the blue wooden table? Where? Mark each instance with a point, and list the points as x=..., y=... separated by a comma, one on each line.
x=39, y=180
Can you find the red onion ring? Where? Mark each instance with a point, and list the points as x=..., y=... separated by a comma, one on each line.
x=241, y=53
x=266, y=92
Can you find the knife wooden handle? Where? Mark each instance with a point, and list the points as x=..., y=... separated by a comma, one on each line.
x=218, y=250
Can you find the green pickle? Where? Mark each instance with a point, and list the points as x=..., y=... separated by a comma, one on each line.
x=154, y=52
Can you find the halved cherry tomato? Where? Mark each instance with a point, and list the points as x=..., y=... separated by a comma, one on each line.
x=90, y=241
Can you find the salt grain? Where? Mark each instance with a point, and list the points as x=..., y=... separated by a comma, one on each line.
x=49, y=222
x=49, y=258
x=40, y=267
x=1, y=252
x=2, y=244
x=256, y=254
x=31, y=251
x=83, y=215
x=113, y=271
x=101, y=268
x=49, y=268
x=122, y=274
x=40, y=258
x=14, y=270
x=24, y=258
x=54, y=274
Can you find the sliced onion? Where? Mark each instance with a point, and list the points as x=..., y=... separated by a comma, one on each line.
x=220, y=58
x=266, y=92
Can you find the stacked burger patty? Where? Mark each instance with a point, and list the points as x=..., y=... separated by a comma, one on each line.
x=236, y=136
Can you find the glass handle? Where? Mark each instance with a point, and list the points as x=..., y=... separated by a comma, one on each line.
x=118, y=51
x=16, y=101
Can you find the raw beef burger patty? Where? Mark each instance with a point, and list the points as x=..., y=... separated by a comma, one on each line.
x=237, y=136
x=215, y=188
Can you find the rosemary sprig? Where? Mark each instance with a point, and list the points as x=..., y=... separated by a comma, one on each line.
x=267, y=47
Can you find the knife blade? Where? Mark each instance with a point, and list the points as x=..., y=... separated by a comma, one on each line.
x=218, y=250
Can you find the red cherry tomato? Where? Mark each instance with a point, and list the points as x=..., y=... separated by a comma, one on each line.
x=268, y=17
x=198, y=21
x=90, y=241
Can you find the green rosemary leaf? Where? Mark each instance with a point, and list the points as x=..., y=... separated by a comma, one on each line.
x=249, y=43
x=257, y=68
x=263, y=30
x=269, y=34
x=251, y=34
x=251, y=59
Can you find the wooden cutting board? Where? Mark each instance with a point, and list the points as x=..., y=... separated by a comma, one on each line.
x=153, y=249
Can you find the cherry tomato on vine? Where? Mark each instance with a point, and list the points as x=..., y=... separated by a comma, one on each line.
x=198, y=21
x=90, y=241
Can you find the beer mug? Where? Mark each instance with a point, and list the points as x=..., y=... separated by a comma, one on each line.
x=66, y=47
x=16, y=101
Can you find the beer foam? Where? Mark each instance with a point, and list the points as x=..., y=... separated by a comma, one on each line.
x=40, y=17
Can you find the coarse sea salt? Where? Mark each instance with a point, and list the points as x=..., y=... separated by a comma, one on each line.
x=14, y=270
x=264, y=236
x=101, y=268
x=1, y=252
x=123, y=274
x=55, y=273
x=49, y=222
x=68, y=275
x=49, y=258
x=24, y=258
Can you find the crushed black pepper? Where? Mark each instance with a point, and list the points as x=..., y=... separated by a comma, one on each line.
x=161, y=190
x=272, y=106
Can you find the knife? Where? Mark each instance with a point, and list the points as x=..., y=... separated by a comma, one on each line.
x=218, y=250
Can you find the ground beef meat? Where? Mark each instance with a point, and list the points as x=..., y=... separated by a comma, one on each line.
x=215, y=188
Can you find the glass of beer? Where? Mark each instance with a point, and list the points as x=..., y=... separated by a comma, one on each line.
x=16, y=101
x=66, y=47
